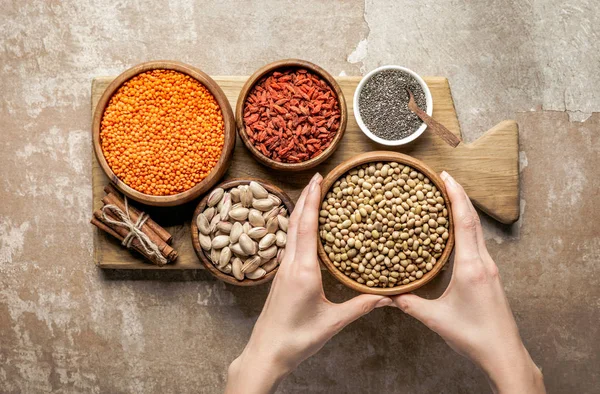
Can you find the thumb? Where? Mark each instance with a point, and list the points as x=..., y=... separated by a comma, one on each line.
x=359, y=306
x=420, y=308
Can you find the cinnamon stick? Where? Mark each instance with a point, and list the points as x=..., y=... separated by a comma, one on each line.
x=105, y=227
x=161, y=232
x=167, y=251
x=112, y=199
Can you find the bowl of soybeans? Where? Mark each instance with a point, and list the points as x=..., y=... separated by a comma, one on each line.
x=163, y=133
x=385, y=223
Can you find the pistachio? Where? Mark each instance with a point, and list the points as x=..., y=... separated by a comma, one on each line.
x=283, y=222
x=205, y=241
x=257, y=232
x=237, y=250
x=239, y=213
x=248, y=245
x=236, y=230
x=224, y=227
x=224, y=211
x=213, y=223
x=272, y=224
x=280, y=238
x=276, y=200
x=246, y=197
x=220, y=242
x=256, y=218
x=215, y=197
x=258, y=191
x=256, y=274
x=226, y=269
x=236, y=268
x=235, y=195
x=263, y=205
x=271, y=213
x=251, y=264
x=215, y=255
x=269, y=253
x=209, y=213
x=267, y=241
x=270, y=265
x=224, y=257
x=203, y=224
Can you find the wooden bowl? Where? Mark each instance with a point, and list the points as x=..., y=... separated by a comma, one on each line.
x=384, y=156
x=256, y=77
x=205, y=259
x=228, y=146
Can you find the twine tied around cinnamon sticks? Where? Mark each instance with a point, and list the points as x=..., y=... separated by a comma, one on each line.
x=135, y=230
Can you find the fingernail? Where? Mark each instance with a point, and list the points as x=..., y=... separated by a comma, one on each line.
x=315, y=181
x=383, y=302
x=448, y=179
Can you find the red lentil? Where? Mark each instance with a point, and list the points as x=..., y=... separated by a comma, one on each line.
x=162, y=132
x=291, y=116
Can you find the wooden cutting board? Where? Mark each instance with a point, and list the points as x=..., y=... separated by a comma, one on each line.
x=487, y=168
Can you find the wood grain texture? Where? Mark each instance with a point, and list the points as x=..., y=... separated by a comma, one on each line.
x=487, y=168
x=256, y=77
x=387, y=156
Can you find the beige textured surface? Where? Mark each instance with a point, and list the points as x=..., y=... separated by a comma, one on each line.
x=69, y=327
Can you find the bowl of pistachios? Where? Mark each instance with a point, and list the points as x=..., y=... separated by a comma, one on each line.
x=239, y=231
x=385, y=223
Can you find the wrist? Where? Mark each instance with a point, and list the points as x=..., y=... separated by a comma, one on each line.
x=514, y=371
x=253, y=373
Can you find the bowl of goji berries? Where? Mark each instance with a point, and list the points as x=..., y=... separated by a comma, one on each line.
x=291, y=115
x=164, y=133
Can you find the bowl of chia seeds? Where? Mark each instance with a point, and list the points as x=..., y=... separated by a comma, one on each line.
x=381, y=105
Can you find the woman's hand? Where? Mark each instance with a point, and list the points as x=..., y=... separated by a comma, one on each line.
x=473, y=315
x=297, y=319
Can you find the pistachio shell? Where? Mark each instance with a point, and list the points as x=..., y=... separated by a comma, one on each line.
x=276, y=200
x=220, y=242
x=257, y=232
x=215, y=197
x=258, y=191
x=215, y=255
x=237, y=250
x=267, y=241
x=280, y=238
x=236, y=230
x=224, y=211
x=205, y=241
x=256, y=274
x=268, y=253
x=283, y=222
x=264, y=204
x=255, y=218
x=203, y=224
x=236, y=268
x=271, y=213
x=270, y=265
x=224, y=227
x=247, y=244
x=251, y=264
x=224, y=257
x=209, y=213
x=226, y=269
x=239, y=213
x=273, y=225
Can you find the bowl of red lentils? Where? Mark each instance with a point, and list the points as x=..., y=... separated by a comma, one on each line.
x=164, y=133
x=291, y=115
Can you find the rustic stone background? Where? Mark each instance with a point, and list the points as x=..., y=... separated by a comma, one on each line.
x=68, y=327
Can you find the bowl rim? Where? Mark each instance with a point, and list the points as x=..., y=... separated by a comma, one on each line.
x=257, y=76
x=365, y=129
x=226, y=185
x=375, y=156
x=229, y=133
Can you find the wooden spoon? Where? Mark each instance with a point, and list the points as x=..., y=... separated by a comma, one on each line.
x=434, y=125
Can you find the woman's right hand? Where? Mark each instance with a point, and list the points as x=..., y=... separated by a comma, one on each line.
x=473, y=315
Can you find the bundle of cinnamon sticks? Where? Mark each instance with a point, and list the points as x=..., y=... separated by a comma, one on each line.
x=154, y=233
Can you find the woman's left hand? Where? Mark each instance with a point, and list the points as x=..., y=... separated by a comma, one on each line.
x=297, y=319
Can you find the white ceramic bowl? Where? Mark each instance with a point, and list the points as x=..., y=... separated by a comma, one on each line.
x=365, y=129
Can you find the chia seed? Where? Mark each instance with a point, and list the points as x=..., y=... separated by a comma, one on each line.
x=383, y=104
